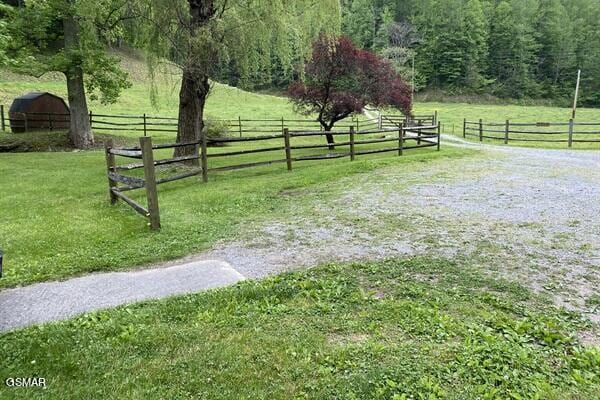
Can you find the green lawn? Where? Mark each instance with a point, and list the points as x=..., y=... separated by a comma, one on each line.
x=402, y=329
x=451, y=115
x=413, y=329
x=56, y=220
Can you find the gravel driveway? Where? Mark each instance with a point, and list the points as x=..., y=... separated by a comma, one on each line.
x=530, y=215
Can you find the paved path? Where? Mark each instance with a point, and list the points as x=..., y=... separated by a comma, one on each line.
x=51, y=301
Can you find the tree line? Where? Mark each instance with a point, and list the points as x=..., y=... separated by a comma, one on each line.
x=508, y=48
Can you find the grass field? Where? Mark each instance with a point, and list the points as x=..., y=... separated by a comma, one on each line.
x=413, y=329
x=56, y=221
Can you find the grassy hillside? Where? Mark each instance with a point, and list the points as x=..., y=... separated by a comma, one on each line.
x=227, y=102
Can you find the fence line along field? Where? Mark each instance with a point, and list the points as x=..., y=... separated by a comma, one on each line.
x=253, y=151
x=145, y=124
x=569, y=133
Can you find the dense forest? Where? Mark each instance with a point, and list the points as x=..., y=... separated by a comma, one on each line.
x=508, y=48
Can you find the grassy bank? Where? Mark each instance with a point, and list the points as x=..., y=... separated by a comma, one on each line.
x=422, y=329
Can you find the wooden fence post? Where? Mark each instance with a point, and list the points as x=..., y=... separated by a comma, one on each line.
x=380, y=121
x=506, y=130
x=480, y=130
x=110, y=167
x=419, y=124
x=288, y=150
x=465, y=128
x=144, y=124
x=204, y=156
x=571, y=129
x=240, y=124
x=401, y=139
x=150, y=182
x=2, y=122
x=50, y=124
x=352, y=153
x=91, y=118
x=435, y=117
x=439, y=135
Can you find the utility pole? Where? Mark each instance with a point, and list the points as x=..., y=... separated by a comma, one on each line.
x=576, y=93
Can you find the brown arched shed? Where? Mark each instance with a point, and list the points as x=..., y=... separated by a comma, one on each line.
x=38, y=111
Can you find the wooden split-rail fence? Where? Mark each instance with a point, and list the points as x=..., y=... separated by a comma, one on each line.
x=291, y=146
x=544, y=132
x=146, y=125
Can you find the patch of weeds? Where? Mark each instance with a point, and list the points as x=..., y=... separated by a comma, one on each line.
x=593, y=303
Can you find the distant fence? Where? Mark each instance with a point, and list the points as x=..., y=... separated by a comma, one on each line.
x=34, y=121
x=544, y=132
x=145, y=125
x=391, y=121
x=290, y=146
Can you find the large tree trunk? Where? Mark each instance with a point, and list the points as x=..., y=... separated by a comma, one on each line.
x=80, y=130
x=330, y=140
x=195, y=85
x=192, y=98
x=327, y=128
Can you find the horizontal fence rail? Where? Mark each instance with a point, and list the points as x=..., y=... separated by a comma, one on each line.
x=287, y=147
x=25, y=122
x=146, y=124
x=544, y=132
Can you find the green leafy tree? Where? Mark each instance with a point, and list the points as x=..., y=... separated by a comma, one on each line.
x=382, y=37
x=5, y=12
x=360, y=23
x=586, y=24
x=454, y=42
x=555, y=37
x=476, y=31
x=69, y=36
x=247, y=36
x=513, y=48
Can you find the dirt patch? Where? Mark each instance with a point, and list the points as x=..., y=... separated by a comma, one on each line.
x=293, y=192
x=347, y=339
x=590, y=338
